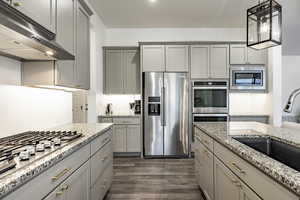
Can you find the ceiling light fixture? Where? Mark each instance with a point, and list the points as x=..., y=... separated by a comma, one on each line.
x=152, y=1
x=264, y=23
x=49, y=53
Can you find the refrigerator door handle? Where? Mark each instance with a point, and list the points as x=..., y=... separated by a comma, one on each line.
x=162, y=111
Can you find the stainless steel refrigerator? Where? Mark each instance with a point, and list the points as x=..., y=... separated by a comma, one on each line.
x=165, y=116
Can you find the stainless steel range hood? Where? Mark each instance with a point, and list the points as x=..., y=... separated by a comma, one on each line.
x=24, y=39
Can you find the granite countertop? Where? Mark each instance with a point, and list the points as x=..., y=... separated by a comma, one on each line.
x=223, y=133
x=27, y=170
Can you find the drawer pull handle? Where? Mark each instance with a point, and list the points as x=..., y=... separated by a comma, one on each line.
x=59, y=193
x=61, y=174
x=238, y=168
x=105, y=140
x=66, y=187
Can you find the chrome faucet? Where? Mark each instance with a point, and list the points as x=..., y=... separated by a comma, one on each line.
x=289, y=106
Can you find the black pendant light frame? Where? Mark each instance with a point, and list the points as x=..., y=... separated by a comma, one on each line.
x=268, y=6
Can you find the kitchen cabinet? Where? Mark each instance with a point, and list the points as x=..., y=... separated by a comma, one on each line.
x=219, y=61
x=42, y=11
x=209, y=61
x=241, y=54
x=200, y=61
x=165, y=58
x=119, y=138
x=82, y=67
x=76, y=187
x=122, y=71
x=72, y=27
x=65, y=36
x=153, y=58
x=132, y=72
x=177, y=58
x=126, y=134
x=226, y=183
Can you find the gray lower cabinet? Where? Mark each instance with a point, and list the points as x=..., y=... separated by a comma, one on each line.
x=76, y=187
x=210, y=61
x=119, y=138
x=42, y=11
x=240, y=54
x=122, y=71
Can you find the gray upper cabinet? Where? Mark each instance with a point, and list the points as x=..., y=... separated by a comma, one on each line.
x=113, y=72
x=132, y=72
x=240, y=54
x=65, y=36
x=82, y=68
x=122, y=71
x=153, y=58
x=209, y=61
x=177, y=58
x=219, y=61
x=41, y=11
x=199, y=61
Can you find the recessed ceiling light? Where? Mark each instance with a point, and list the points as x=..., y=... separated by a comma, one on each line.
x=49, y=53
x=152, y=1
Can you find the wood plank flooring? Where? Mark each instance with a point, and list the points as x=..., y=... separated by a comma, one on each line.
x=169, y=179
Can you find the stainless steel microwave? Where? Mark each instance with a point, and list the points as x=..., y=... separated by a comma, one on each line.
x=248, y=78
x=210, y=96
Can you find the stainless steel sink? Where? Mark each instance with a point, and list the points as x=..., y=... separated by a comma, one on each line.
x=282, y=152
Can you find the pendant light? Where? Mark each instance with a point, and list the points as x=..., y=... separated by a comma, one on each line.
x=264, y=23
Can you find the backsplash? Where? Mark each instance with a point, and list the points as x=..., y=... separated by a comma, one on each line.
x=120, y=103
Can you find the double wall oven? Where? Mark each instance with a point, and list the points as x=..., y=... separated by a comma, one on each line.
x=210, y=101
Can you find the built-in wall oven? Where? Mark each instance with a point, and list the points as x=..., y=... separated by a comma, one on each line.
x=210, y=97
x=248, y=78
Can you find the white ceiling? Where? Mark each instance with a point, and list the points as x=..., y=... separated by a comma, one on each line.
x=173, y=13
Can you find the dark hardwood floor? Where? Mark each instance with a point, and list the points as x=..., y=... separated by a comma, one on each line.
x=136, y=178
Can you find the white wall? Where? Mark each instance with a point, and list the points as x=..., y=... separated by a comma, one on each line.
x=23, y=108
x=290, y=81
x=131, y=36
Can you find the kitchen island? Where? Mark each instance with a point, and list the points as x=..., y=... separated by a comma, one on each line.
x=53, y=172
x=257, y=175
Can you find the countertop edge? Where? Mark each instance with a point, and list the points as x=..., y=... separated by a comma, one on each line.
x=28, y=175
x=258, y=167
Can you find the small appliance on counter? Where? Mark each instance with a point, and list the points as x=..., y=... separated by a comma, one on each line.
x=108, y=110
x=135, y=107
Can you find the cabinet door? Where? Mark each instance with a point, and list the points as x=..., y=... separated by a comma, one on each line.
x=133, y=138
x=219, y=61
x=82, y=48
x=257, y=57
x=78, y=184
x=153, y=58
x=42, y=11
x=113, y=72
x=248, y=194
x=225, y=183
x=132, y=72
x=200, y=61
x=75, y=187
x=177, y=57
x=238, y=54
x=208, y=174
x=119, y=138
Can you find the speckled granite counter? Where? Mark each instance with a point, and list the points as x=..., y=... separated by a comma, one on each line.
x=223, y=133
x=27, y=170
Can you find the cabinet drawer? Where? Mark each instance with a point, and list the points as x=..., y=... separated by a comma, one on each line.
x=51, y=178
x=102, y=159
x=99, y=189
x=265, y=187
x=105, y=120
x=124, y=120
x=100, y=141
x=204, y=139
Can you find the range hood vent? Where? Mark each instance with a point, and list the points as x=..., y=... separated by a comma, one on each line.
x=24, y=39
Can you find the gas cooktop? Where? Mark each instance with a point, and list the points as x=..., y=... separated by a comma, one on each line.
x=31, y=145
